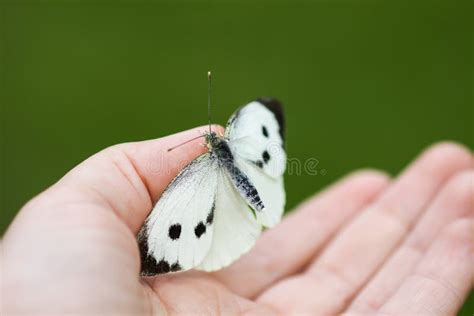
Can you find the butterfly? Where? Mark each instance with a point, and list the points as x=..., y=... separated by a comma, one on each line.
x=214, y=210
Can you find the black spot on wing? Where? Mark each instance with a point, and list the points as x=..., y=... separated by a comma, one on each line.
x=264, y=131
x=210, y=216
x=277, y=109
x=259, y=163
x=174, y=231
x=200, y=229
x=265, y=156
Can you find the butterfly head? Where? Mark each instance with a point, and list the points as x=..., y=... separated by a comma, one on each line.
x=212, y=140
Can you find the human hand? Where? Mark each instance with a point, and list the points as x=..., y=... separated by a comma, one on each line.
x=364, y=245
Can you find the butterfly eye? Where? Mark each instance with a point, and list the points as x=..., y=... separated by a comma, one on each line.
x=264, y=131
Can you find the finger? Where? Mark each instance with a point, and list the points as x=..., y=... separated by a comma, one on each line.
x=347, y=263
x=444, y=277
x=289, y=246
x=126, y=178
x=454, y=201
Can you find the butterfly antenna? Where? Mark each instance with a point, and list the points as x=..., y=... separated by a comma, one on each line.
x=208, y=113
x=188, y=141
x=209, y=99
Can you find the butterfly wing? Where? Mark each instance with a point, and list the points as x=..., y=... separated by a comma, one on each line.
x=256, y=134
x=256, y=138
x=216, y=223
x=235, y=227
x=252, y=130
x=177, y=234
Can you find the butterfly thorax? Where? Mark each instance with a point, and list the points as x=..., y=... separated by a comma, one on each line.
x=219, y=148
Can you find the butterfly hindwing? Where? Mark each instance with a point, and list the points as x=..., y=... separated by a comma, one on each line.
x=235, y=227
x=177, y=235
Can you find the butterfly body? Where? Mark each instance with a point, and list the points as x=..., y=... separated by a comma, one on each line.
x=219, y=148
x=215, y=208
x=220, y=151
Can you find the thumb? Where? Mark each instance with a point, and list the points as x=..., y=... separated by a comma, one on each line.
x=126, y=179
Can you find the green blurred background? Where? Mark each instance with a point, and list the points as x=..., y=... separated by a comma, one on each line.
x=365, y=83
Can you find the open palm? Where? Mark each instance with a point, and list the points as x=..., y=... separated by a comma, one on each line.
x=367, y=244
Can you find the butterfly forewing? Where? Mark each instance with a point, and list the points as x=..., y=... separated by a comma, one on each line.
x=177, y=235
x=256, y=138
x=256, y=134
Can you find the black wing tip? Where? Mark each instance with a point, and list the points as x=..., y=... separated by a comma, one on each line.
x=148, y=265
x=276, y=107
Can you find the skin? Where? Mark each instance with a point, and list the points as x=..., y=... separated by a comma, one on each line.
x=367, y=244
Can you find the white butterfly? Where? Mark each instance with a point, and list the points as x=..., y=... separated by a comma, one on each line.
x=214, y=210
